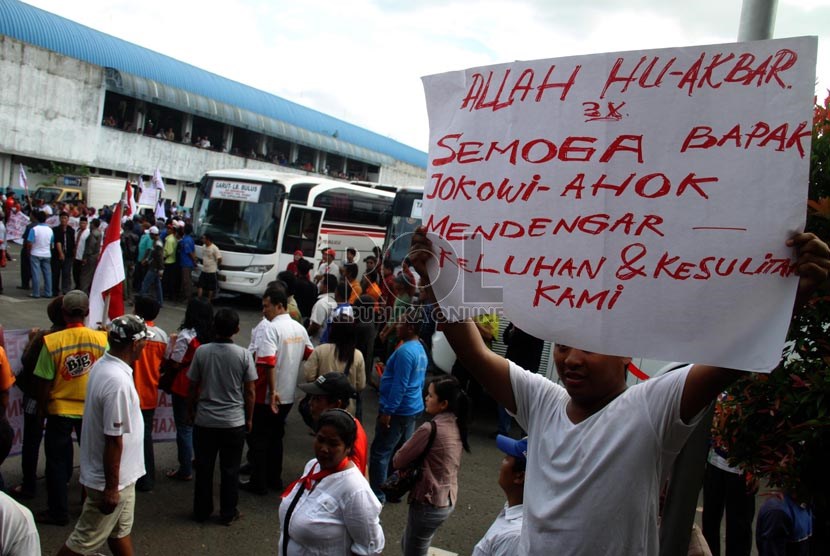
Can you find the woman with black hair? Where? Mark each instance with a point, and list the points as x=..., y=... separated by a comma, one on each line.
x=196, y=329
x=340, y=354
x=434, y=496
x=331, y=510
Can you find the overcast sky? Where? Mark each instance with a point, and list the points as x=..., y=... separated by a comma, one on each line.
x=362, y=60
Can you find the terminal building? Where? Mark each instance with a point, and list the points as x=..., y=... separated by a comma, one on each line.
x=74, y=97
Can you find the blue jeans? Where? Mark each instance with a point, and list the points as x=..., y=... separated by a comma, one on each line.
x=383, y=447
x=152, y=281
x=422, y=522
x=41, y=276
x=184, y=436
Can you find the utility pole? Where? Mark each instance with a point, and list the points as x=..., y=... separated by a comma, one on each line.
x=757, y=20
x=680, y=505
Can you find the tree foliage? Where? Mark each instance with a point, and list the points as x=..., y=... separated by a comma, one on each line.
x=777, y=426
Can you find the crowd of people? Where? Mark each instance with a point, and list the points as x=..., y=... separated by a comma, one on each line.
x=321, y=332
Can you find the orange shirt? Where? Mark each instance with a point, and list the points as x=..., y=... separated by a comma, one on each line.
x=6, y=375
x=147, y=367
x=361, y=448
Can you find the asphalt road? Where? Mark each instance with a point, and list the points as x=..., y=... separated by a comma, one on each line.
x=162, y=524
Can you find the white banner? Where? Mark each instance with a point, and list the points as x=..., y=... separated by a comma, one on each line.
x=15, y=341
x=632, y=203
x=148, y=197
x=245, y=192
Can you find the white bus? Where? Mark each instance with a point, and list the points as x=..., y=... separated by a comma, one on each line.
x=406, y=217
x=259, y=218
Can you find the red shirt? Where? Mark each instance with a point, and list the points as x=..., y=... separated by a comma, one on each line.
x=361, y=449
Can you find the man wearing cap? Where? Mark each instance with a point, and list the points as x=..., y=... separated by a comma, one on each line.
x=328, y=266
x=502, y=538
x=62, y=371
x=292, y=266
x=153, y=264
x=334, y=391
x=112, y=438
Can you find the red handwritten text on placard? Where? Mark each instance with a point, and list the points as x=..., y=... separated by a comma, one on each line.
x=591, y=224
x=779, y=137
x=707, y=71
x=479, y=96
x=541, y=150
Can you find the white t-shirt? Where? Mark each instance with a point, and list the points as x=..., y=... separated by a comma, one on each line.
x=41, y=237
x=328, y=268
x=594, y=487
x=502, y=538
x=18, y=534
x=112, y=408
x=81, y=245
x=340, y=516
x=286, y=340
x=320, y=313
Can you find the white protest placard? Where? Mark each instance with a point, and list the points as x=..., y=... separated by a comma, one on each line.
x=148, y=196
x=236, y=191
x=632, y=203
x=16, y=227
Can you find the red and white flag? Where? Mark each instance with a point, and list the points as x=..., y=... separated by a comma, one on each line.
x=106, y=300
x=23, y=180
x=129, y=209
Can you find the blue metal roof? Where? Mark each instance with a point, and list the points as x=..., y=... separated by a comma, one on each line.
x=52, y=32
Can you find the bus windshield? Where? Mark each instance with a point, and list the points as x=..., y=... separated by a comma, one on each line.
x=239, y=216
x=406, y=217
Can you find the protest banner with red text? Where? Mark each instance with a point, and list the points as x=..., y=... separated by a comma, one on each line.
x=632, y=203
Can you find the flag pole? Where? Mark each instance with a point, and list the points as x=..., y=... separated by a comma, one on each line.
x=101, y=325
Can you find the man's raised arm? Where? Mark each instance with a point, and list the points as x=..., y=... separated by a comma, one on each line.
x=488, y=368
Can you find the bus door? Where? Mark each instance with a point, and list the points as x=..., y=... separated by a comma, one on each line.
x=301, y=233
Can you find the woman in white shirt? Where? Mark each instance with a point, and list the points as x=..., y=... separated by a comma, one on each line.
x=331, y=510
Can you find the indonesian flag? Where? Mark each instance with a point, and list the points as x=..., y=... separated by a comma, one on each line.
x=106, y=300
x=130, y=206
x=157, y=182
x=23, y=180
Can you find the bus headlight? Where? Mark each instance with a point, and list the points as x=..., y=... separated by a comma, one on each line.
x=259, y=269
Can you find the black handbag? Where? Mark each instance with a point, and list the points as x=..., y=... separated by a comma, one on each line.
x=402, y=480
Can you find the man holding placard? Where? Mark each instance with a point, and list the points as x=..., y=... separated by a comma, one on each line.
x=643, y=203
x=595, y=442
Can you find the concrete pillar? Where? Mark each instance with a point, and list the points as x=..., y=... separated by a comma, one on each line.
x=295, y=152
x=6, y=171
x=324, y=160
x=187, y=129
x=227, y=138
x=262, y=145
